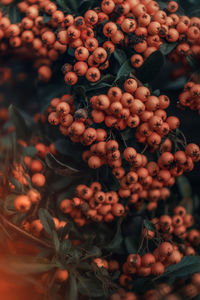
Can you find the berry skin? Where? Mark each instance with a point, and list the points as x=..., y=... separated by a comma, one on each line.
x=94, y=162
x=34, y=196
x=148, y=260
x=157, y=269
x=61, y=275
x=134, y=260
x=118, y=209
x=38, y=180
x=22, y=203
x=165, y=249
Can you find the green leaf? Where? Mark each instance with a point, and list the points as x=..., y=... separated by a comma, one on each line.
x=94, y=252
x=156, y=93
x=9, y=203
x=19, y=122
x=125, y=69
x=80, y=90
x=56, y=241
x=120, y=81
x=102, y=85
x=73, y=4
x=120, y=56
x=131, y=244
x=59, y=167
x=66, y=147
x=108, y=78
x=162, y=4
x=63, y=5
x=64, y=247
x=167, y=48
x=149, y=225
x=29, y=151
x=63, y=231
x=13, y=14
x=91, y=287
x=84, y=6
x=116, y=243
x=151, y=67
x=192, y=62
x=71, y=51
x=116, y=275
x=73, y=288
x=46, y=18
x=184, y=187
x=188, y=266
x=47, y=221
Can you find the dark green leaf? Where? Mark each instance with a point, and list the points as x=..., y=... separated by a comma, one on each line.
x=151, y=67
x=120, y=56
x=30, y=151
x=116, y=275
x=56, y=241
x=120, y=81
x=94, y=252
x=188, y=266
x=73, y=288
x=116, y=243
x=64, y=247
x=71, y=51
x=66, y=147
x=84, y=6
x=91, y=287
x=13, y=13
x=131, y=244
x=184, y=187
x=125, y=69
x=156, y=93
x=192, y=62
x=9, y=203
x=19, y=122
x=102, y=85
x=106, y=78
x=47, y=221
x=162, y=4
x=73, y=4
x=46, y=18
x=63, y=231
x=63, y=5
x=167, y=48
x=149, y=225
x=196, y=203
x=59, y=167
x=80, y=90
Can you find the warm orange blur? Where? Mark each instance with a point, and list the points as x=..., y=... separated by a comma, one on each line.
x=11, y=287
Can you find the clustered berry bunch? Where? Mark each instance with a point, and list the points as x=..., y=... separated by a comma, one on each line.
x=165, y=253
x=138, y=24
x=130, y=107
x=122, y=129
x=92, y=203
x=190, y=96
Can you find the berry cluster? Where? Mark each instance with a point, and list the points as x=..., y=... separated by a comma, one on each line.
x=130, y=107
x=92, y=203
x=190, y=97
x=138, y=24
x=166, y=251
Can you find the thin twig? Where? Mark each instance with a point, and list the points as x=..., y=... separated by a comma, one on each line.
x=25, y=234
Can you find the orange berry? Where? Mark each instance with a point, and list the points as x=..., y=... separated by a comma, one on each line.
x=38, y=180
x=22, y=203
